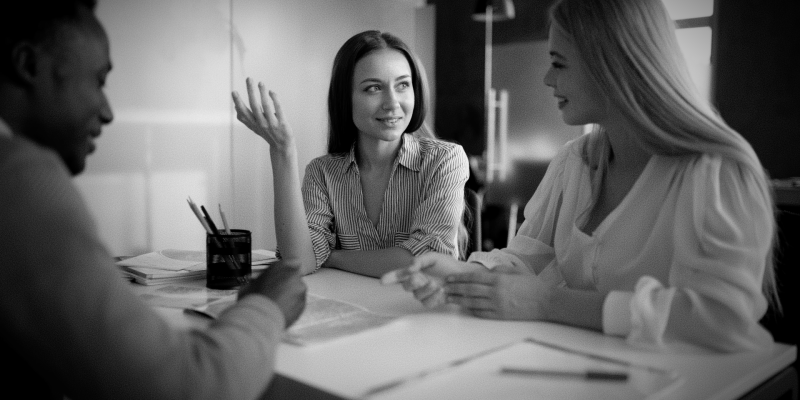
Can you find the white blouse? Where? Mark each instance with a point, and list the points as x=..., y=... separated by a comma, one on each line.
x=682, y=257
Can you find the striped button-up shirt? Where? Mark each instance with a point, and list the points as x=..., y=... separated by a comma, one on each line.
x=422, y=206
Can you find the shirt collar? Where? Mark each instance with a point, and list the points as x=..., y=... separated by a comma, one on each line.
x=408, y=156
x=5, y=130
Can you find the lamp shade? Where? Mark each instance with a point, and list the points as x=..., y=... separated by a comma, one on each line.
x=502, y=10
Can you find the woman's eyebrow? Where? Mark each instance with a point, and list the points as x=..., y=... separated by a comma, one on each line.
x=370, y=80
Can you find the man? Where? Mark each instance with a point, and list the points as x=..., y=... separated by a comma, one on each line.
x=70, y=326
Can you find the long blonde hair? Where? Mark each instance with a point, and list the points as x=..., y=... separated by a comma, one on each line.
x=630, y=50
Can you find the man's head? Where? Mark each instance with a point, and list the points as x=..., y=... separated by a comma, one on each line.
x=55, y=59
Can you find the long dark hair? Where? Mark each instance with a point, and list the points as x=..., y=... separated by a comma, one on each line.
x=342, y=132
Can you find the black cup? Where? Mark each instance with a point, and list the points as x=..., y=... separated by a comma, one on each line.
x=228, y=259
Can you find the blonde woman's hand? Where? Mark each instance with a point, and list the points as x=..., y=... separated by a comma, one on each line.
x=263, y=117
x=425, y=276
x=507, y=292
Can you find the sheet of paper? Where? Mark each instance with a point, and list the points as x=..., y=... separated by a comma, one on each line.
x=184, y=296
x=325, y=319
x=187, y=260
x=322, y=320
x=481, y=378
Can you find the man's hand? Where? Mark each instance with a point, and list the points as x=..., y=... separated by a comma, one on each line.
x=283, y=284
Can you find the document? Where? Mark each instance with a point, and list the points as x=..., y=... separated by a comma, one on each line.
x=326, y=319
x=532, y=369
x=323, y=319
x=185, y=296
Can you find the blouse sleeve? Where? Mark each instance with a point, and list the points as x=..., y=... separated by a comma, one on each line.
x=532, y=247
x=319, y=213
x=438, y=216
x=714, y=295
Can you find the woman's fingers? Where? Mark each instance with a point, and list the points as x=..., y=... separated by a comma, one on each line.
x=434, y=299
x=257, y=110
x=243, y=113
x=278, y=111
x=269, y=112
x=471, y=290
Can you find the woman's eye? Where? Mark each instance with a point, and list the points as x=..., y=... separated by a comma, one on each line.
x=372, y=88
x=404, y=85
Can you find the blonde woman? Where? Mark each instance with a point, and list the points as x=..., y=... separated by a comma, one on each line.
x=657, y=226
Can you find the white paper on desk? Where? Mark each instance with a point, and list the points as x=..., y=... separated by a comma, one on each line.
x=326, y=319
x=323, y=319
x=480, y=378
x=185, y=296
x=187, y=260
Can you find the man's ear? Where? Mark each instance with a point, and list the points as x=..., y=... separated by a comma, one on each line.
x=26, y=63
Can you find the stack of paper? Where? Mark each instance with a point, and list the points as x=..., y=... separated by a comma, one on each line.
x=167, y=266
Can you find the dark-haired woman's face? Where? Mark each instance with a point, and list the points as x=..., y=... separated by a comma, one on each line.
x=383, y=95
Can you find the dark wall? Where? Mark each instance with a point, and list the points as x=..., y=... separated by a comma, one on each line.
x=757, y=78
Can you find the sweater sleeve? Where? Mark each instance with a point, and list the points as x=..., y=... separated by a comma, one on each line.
x=71, y=316
x=714, y=294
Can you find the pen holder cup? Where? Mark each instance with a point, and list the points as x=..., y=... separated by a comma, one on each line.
x=228, y=259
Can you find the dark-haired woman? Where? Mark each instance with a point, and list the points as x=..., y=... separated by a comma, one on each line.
x=388, y=189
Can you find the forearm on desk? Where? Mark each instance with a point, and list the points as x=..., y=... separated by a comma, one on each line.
x=291, y=229
x=581, y=308
x=372, y=263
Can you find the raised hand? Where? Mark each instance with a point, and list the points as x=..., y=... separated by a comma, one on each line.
x=263, y=117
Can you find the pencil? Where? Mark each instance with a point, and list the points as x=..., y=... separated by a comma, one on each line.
x=224, y=220
x=589, y=375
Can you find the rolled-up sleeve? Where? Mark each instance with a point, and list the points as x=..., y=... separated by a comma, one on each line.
x=437, y=218
x=319, y=213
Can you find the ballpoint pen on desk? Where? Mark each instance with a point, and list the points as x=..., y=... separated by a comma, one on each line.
x=224, y=220
x=211, y=229
x=589, y=374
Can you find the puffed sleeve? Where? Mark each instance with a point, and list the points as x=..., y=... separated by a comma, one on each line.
x=532, y=247
x=319, y=213
x=723, y=233
x=436, y=219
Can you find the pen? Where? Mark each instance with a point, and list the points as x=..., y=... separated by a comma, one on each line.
x=590, y=374
x=210, y=221
x=224, y=220
x=599, y=357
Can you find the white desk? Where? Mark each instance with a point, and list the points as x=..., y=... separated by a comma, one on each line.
x=422, y=339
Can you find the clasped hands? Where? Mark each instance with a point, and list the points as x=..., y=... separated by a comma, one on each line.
x=505, y=292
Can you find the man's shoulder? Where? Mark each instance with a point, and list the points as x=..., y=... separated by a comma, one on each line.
x=19, y=152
